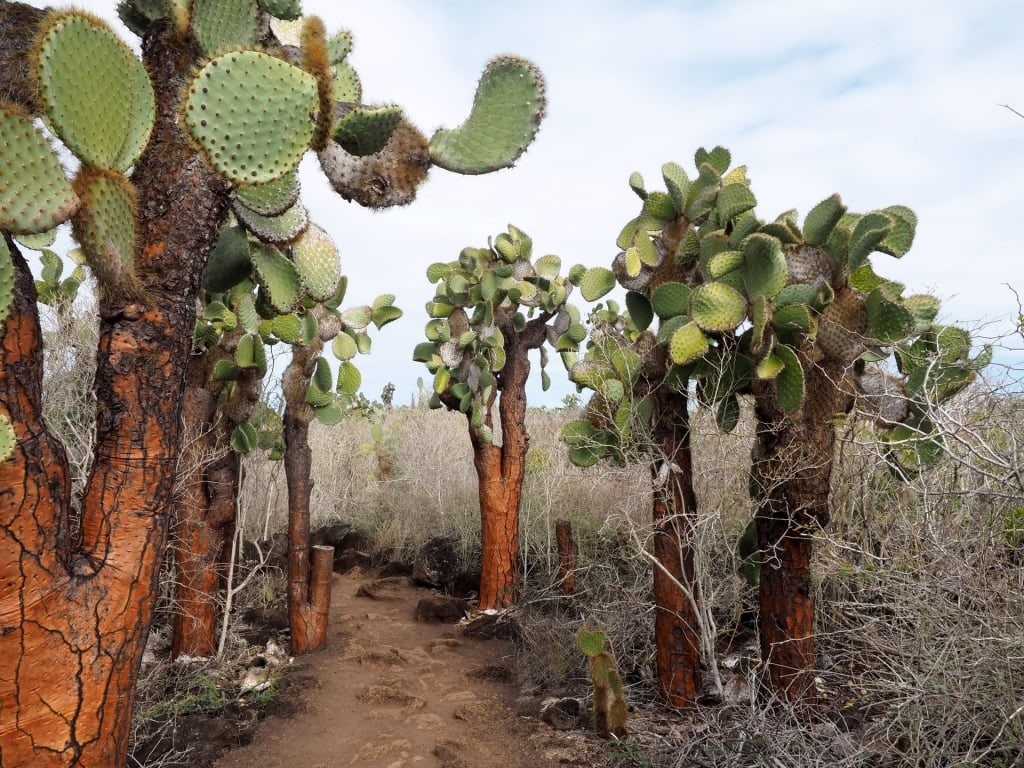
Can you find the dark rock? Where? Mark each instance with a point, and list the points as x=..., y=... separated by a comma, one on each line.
x=437, y=563
x=440, y=609
x=383, y=589
x=493, y=626
x=395, y=568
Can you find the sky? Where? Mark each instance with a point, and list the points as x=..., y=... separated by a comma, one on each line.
x=883, y=102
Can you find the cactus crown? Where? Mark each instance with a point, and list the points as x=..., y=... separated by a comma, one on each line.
x=743, y=303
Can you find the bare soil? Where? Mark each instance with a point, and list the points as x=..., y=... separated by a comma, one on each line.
x=393, y=692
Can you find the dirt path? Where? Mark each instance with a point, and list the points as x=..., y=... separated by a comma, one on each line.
x=391, y=692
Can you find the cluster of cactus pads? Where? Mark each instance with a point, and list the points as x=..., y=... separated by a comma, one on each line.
x=610, y=708
x=253, y=106
x=740, y=302
x=484, y=296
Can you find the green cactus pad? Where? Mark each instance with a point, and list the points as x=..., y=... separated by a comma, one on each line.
x=347, y=86
x=659, y=206
x=677, y=183
x=278, y=276
x=270, y=199
x=35, y=196
x=282, y=9
x=37, y=241
x=796, y=293
x=722, y=263
x=789, y=383
x=366, y=130
x=717, y=307
x=924, y=308
x=590, y=641
x=901, y=236
x=273, y=229
x=596, y=283
x=317, y=259
x=868, y=234
x=733, y=200
x=822, y=219
x=229, y=261
x=506, y=114
x=249, y=113
x=888, y=321
x=104, y=227
x=793, y=318
x=718, y=158
x=671, y=299
x=95, y=92
x=8, y=439
x=640, y=310
x=221, y=24
x=6, y=280
x=339, y=46
x=765, y=272
x=687, y=344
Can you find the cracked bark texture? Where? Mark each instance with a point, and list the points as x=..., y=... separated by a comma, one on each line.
x=75, y=612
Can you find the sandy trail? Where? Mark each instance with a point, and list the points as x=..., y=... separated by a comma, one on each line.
x=391, y=692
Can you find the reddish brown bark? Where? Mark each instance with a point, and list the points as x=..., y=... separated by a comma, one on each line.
x=568, y=554
x=794, y=469
x=309, y=590
x=676, y=627
x=206, y=505
x=501, y=468
x=75, y=610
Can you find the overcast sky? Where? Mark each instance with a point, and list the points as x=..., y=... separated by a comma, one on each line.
x=883, y=101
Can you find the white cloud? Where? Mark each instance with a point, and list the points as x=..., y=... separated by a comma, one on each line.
x=883, y=102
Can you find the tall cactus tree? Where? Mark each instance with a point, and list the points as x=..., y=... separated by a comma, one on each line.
x=794, y=317
x=493, y=306
x=218, y=110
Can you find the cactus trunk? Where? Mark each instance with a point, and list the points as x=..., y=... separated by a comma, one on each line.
x=84, y=606
x=500, y=472
x=309, y=587
x=793, y=469
x=676, y=627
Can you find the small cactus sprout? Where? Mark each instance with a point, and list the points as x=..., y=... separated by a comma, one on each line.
x=610, y=709
x=8, y=440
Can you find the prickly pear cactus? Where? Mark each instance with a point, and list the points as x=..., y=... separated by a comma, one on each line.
x=745, y=306
x=488, y=301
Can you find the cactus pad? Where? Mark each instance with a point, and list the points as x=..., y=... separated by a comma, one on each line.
x=7, y=438
x=249, y=112
x=104, y=227
x=229, y=260
x=270, y=199
x=717, y=307
x=221, y=24
x=282, y=9
x=596, y=283
x=822, y=219
x=367, y=130
x=6, y=280
x=789, y=383
x=316, y=258
x=96, y=94
x=506, y=114
x=278, y=276
x=765, y=272
x=687, y=344
x=35, y=195
x=842, y=326
x=670, y=299
x=274, y=229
